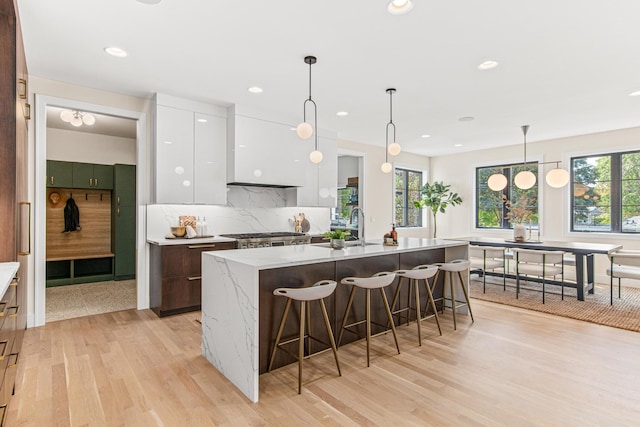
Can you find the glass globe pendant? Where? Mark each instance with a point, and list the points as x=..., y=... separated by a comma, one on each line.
x=305, y=130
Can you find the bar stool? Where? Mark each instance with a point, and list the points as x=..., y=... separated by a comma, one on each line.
x=377, y=281
x=317, y=292
x=420, y=272
x=455, y=266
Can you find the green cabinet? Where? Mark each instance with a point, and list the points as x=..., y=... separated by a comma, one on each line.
x=79, y=175
x=59, y=174
x=123, y=221
x=89, y=175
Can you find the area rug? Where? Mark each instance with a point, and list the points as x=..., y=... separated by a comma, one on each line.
x=624, y=314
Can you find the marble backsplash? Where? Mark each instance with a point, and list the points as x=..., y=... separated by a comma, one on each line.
x=248, y=210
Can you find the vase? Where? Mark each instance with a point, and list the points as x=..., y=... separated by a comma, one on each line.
x=519, y=233
x=337, y=243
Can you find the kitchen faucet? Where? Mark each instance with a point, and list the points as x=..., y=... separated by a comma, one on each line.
x=360, y=229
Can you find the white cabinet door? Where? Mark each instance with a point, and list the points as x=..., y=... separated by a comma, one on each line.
x=210, y=159
x=266, y=153
x=320, y=188
x=174, y=155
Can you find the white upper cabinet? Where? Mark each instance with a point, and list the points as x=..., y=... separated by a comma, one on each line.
x=210, y=186
x=265, y=153
x=190, y=152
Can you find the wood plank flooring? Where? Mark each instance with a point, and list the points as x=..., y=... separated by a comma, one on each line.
x=510, y=368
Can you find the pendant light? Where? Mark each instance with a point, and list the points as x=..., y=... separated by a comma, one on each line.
x=304, y=129
x=557, y=177
x=497, y=182
x=525, y=179
x=393, y=148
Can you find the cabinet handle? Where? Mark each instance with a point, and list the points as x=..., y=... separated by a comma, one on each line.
x=15, y=281
x=27, y=111
x=201, y=246
x=23, y=94
x=51, y=180
x=191, y=279
x=90, y=182
x=4, y=305
x=15, y=310
x=96, y=182
x=118, y=211
x=118, y=200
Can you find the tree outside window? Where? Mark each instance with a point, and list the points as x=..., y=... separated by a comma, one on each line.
x=491, y=211
x=407, y=189
x=606, y=193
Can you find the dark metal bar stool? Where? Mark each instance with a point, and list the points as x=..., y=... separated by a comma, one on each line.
x=377, y=281
x=317, y=292
x=420, y=272
x=455, y=266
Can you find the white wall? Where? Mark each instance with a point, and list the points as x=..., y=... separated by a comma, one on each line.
x=347, y=168
x=459, y=171
x=70, y=146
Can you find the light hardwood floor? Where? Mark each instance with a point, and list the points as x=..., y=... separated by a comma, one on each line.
x=511, y=368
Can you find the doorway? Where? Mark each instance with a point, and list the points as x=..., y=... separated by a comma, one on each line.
x=54, y=143
x=350, y=194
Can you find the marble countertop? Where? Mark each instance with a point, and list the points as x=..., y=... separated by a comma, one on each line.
x=8, y=271
x=285, y=256
x=162, y=241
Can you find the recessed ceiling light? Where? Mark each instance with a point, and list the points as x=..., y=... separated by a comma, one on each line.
x=293, y=129
x=487, y=65
x=168, y=142
x=636, y=93
x=399, y=7
x=255, y=89
x=202, y=120
x=425, y=136
x=115, y=51
x=466, y=119
x=342, y=113
x=457, y=145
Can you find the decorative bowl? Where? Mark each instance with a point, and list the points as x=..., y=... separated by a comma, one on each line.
x=179, y=231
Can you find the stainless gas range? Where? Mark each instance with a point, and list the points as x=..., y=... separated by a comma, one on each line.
x=265, y=240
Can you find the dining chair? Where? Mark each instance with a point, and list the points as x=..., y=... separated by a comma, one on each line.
x=625, y=264
x=485, y=258
x=540, y=263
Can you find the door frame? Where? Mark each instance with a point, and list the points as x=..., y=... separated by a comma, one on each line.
x=40, y=243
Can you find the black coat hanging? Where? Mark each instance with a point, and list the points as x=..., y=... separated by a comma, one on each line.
x=71, y=216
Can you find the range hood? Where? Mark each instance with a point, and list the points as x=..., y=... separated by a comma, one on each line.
x=263, y=152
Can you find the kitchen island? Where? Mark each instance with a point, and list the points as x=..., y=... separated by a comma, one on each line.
x=240, y=313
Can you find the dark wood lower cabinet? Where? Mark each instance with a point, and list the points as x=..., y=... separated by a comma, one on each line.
x=272, y=307
x=175, y=273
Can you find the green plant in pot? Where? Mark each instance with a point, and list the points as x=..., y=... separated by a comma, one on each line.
x=438, y=197
x=337, y=238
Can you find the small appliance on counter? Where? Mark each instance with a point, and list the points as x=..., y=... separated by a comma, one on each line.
x=189, y=227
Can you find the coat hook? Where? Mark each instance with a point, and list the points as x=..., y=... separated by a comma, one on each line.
x=86, y=196
x=100, y=196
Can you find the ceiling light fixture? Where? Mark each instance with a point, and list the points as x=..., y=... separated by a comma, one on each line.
x=636, y=93
x=393, y=148
x=487, y=65
x=342, y=113
x=304, y=129
x=399, y=7
x=525, y=179
x=556, y=177
x=115, y=51
x=255, y=89
x=77, y=118
x=425, y=136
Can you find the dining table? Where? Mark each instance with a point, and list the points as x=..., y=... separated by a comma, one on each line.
x=583, y=252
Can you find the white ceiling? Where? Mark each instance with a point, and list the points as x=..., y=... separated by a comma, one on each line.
x=566, y=67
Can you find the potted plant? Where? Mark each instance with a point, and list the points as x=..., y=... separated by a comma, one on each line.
x=337, y=238
x=437, y=197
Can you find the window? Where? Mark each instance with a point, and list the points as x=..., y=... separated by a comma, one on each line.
x=606, y=193
x=408, y=185
x=491, y=206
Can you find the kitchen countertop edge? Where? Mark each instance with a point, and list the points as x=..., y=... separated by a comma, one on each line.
x=8, y=271
x=162, y=241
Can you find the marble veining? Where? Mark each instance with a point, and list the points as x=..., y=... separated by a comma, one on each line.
x=230, y=301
